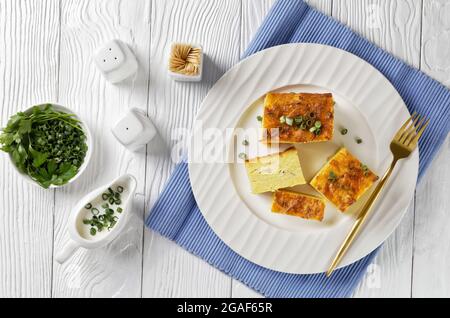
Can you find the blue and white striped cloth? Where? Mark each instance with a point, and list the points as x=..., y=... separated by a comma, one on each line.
x=176, y=216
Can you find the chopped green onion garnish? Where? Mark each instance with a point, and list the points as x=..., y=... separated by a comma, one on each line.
x=259, y=118
x=245, y=142
x=312, y=129
x=88, y=206
x=312, y=115
x=243, y=156
x=119, y=189
x=298, y=120
x=111, y=200
x=119, y=210
x=289, y=121
x=105, y=205
x=105, y=196
x=344, y=131
x=93, y=231
x=86, y=221
x=110, y=190
x=118, y=201
x=117, y=195
x=318, y=124
x=358, y=140
x=282, y=119
x=95, y=211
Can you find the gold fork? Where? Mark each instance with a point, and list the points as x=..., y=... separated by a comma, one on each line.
x=402, y=145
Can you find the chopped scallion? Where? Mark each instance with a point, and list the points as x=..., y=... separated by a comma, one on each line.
x=243, y=156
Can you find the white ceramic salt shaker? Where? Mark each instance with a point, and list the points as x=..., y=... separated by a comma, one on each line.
x=116, y=61
x=134, y=130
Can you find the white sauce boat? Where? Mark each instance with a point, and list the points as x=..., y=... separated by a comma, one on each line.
x=79, y=232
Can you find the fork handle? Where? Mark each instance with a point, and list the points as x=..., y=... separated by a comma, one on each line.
x=360, y=220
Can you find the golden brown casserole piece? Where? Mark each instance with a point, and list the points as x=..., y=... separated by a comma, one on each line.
x=298, y=117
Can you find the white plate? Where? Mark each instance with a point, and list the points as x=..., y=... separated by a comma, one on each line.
x=366, y=103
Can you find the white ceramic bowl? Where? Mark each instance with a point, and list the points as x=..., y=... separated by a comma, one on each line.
x=89, y=143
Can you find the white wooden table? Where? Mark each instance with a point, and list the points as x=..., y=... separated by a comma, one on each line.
x=45, y=55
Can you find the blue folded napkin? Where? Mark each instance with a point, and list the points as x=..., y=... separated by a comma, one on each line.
x=176, y=216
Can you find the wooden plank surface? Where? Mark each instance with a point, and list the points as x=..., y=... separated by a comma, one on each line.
x=29, y=35
x=431, y=258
